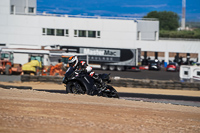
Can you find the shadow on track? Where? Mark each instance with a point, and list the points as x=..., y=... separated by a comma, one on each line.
x=52, y=91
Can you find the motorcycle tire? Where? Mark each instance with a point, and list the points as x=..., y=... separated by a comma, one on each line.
x=111, y=94
x=75, y=88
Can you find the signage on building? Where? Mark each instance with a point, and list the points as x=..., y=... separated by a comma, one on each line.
x=103, y=55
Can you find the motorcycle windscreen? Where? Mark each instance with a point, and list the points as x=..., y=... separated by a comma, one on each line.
x=69, y=72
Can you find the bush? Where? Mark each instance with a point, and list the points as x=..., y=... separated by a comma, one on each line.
x=181, y=34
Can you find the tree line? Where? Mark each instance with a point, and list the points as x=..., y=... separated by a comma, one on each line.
x=169, y=24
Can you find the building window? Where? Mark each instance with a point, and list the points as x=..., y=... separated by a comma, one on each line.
x=92, y=34
x=66, y=33
x=156, y=35
x=44, y=31
x=31, y=10
x=185, y=72
x=2, y=44
x=87, y=33
x=82, y=33
x=98, y=34
x=50, y=31
x=138, y=35
x=198, y=73
x=53, y=32
x=59, y=32
x=12, y=9
x=75, y=33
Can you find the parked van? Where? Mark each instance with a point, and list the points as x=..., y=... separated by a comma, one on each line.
x=189, y=73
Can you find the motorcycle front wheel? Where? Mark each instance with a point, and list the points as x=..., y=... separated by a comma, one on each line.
x=75, y=88
x=110, y=92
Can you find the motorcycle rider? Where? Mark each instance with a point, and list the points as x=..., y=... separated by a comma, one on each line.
x=79, y=82
x=75, y=64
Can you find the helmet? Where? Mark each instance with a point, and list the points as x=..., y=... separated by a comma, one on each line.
x=73, y=61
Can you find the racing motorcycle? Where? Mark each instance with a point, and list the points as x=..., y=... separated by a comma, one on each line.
x=79, y=82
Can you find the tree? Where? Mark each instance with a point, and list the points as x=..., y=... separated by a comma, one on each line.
x=168, y=20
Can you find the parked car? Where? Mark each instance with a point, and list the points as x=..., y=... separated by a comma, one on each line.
x=173, y=66
x=154, y=65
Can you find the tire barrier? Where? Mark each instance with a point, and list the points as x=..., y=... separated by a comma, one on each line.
x=54, y=79
x=125, y=82
x=156, y=84
x=15, y=87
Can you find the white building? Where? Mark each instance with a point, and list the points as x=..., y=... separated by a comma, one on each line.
x=22, y=27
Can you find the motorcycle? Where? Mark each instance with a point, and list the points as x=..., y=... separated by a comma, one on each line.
x=79, y=82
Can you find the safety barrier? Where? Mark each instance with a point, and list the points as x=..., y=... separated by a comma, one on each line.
x=158, y=84
x=122, y=82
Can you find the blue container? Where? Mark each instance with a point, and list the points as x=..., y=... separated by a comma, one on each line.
x=165, y=64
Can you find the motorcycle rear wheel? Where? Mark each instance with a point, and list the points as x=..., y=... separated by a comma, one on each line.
x=75, y=88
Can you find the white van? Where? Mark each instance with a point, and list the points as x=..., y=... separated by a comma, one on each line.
x=189, y=73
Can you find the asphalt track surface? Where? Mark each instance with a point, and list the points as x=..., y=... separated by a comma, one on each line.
x=167, y=99
x=143, y=74
x=153, y=75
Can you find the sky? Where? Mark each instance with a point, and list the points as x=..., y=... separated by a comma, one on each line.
x=119, y=8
